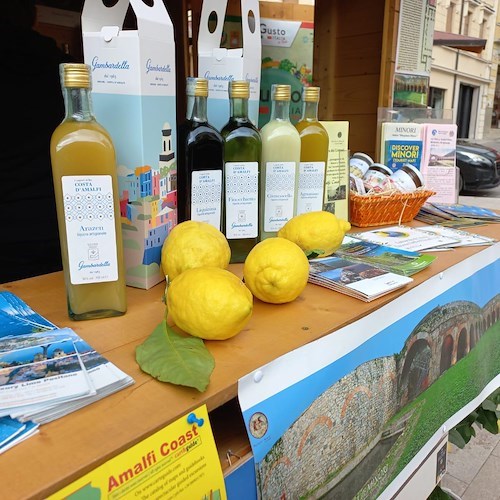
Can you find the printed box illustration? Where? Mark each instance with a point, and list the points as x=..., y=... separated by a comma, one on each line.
x=133, y=75
x=219, y=65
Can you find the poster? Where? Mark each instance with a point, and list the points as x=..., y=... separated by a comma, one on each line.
x=179, y=462
x=355, y=413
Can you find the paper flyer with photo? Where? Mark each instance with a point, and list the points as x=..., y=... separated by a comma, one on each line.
x=405, y=237
x=39, y=368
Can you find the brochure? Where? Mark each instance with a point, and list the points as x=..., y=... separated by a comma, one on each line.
x=13, y=432
x=47, y=372
x=464, y=238
x=406, y=238
x=455, y=215
x=401, y=143
x=357, y=279
x=394, y=260
x=470, y=211
x=41, y=368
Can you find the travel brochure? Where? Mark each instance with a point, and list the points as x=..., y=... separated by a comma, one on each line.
x=456, y=215
x=367, y=270
x=356, y=279
x=45, y=371
x=391, y=259
x=429, y=238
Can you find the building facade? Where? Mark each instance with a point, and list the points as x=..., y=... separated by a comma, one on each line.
x=465, y=64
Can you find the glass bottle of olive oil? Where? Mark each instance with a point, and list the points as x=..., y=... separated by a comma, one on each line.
x=242, y=150
x=87, y=201
x=313, y=154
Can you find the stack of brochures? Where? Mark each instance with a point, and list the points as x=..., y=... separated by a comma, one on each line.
x=45, y=371
x=429, y=238
x=456, y=215
x=367, y=270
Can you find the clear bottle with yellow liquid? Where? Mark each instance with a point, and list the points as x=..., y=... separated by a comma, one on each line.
x=88, y=212
x=279, y=165
x=313, y=154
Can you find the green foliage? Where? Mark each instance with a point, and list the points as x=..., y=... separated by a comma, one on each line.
x=286, y=65
x=486, y=415
x=438, y=494
x=171, y=357
x=314, y=254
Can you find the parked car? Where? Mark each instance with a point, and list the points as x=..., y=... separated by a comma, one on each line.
x=479, y=165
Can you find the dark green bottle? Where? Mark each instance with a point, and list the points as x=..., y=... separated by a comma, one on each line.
x=242, y=151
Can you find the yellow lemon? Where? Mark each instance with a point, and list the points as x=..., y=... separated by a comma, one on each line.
x=193, y=244
x=209, y=302
x=276, y=270
x=318, y=233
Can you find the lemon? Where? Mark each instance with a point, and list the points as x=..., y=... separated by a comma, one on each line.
x=209, y=302
x=319, y=233
x=193, y=244
x=276, y=270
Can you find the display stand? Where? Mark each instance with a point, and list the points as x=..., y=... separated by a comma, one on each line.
x=88, y=438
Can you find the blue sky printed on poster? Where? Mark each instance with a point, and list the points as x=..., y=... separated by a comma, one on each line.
x=283, y=408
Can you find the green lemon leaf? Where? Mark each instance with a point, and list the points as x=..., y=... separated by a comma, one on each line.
x=170, y=357
x=312, y=254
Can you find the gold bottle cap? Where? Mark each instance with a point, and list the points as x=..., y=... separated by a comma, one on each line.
x=310, y=94
x=200, y=87
x=239, y=88
x=281, y=92
x=75, y=75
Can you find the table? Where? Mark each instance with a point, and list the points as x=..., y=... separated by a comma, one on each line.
x=71, y=446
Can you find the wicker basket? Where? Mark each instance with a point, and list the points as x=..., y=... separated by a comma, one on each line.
x=386, y=208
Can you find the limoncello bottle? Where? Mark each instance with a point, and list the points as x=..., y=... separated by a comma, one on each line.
x=279, y=165
x=313, y=154
x=242, y=151
x=87, y=201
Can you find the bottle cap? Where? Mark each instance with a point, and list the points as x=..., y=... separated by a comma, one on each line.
x=239, y=88
x=75, y=75
x=310, y=94
x=280, y=92
x=197, y=87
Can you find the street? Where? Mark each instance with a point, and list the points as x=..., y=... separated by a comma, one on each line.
x=488, y=198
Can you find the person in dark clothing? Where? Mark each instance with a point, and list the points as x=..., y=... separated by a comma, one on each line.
x=33, y=106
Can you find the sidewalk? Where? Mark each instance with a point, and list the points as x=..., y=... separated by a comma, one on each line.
x=474, y=471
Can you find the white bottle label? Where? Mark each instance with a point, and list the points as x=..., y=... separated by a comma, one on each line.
x=206, y=196
x=311, y=185
x=278, y=194
x=90, y=228
x=242, y=200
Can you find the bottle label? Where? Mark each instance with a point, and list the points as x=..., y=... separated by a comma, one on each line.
x=311, y=186
x=90, y=228
x=278, y=194
x=206, y=197
x=242, y=199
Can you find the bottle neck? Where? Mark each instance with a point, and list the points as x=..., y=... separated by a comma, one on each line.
x=78, y=104
x=310, y=111
x=189, y=106
x=238, y=107
x=199, y=113
x=280, y=110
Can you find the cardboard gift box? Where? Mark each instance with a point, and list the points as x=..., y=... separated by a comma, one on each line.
x=133, y=77
x=219, y=65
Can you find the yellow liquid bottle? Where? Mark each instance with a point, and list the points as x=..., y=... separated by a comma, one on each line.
x=279, y=165
x=88, y=212
x=313, y=154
